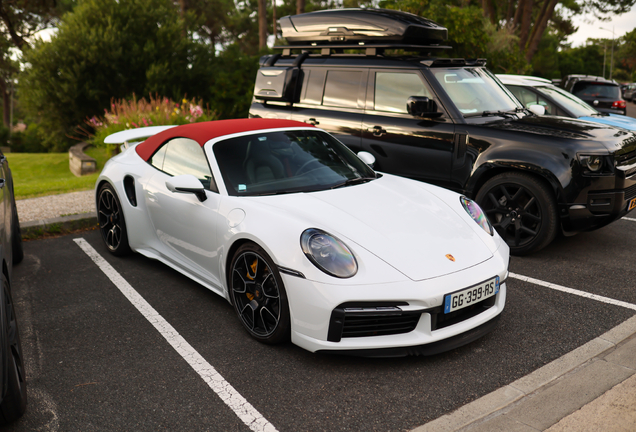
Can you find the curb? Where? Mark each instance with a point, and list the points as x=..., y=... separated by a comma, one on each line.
x=486, y=412
x=59, y=225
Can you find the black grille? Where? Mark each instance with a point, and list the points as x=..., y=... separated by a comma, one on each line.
x=627, y=158
x=630, y=192
x=361, y=326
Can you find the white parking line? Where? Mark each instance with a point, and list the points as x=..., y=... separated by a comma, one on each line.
x=241, y=407
x=573, y=291
x=629, y=219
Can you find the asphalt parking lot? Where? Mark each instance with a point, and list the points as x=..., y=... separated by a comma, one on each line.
x=94, y=362
x=97, y=361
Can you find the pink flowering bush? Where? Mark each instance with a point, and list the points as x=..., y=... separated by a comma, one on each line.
x=135, y=113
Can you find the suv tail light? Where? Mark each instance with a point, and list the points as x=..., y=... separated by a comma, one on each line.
x=619, y=104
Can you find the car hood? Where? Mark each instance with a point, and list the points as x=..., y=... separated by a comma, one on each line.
x=564, y=127
x=614, y=120
x=398, y=220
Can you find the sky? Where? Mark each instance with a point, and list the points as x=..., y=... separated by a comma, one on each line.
x=589, y=27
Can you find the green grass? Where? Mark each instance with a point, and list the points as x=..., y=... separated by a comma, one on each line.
x=40, y=174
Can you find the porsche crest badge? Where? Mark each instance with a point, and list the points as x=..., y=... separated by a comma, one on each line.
x=450, y=257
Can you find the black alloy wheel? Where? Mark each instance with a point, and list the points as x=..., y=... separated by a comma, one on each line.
x=522, y=209
x=111, y=221
x=258, y=295
x=15, y=400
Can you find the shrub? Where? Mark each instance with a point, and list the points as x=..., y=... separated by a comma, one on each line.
x=134, y=113
x=28, y=141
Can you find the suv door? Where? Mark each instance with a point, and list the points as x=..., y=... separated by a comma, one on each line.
x=333, y=99
x=405, y=145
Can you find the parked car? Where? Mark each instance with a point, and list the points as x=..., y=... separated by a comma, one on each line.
x=603, y=94
x=556, y=101
x=13, y=396
x=450, y=122
x=630, y=92
x=305, y=239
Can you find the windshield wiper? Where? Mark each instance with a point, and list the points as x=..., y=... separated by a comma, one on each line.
x=353, y=181
x=506, y=114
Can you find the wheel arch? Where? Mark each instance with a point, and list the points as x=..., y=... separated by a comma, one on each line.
x=491, y=169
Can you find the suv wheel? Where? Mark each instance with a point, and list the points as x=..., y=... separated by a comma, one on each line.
x=522, y=209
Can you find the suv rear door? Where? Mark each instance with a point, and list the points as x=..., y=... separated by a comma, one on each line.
x=333, y=99
x=403, y=144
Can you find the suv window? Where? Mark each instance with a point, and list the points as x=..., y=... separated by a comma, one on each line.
x=393, y=89
x=588, y=89
x=342, y=89
x=183, y=156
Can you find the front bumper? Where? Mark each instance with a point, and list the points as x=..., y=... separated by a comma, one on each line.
x=312, y=307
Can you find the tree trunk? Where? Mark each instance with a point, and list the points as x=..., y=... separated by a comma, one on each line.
x=489, y=10
x=517, y=19
x=6, y=103
x=300, y=7
x=274, y=27
x=526, y=20
x=262, y=24
x=539, y=28
x=511, y=5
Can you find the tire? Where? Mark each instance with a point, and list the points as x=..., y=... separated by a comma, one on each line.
x=111, y=220
x=16, y=236
x=15, y=400
x=522, y=209
x=258, y=295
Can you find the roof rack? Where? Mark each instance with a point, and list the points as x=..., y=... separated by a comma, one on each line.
x=454, y=62
x=370, y=49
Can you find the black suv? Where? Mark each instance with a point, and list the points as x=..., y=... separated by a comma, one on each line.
x=450, y=122
x=603, y=94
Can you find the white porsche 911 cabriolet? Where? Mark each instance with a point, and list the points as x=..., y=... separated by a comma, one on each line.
x=304, y=239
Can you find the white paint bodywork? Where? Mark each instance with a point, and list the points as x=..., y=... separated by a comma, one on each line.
x=399, y=230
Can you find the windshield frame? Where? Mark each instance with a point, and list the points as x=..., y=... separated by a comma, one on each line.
x=230, y=154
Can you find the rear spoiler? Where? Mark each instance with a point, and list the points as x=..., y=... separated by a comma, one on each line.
x=137, y=134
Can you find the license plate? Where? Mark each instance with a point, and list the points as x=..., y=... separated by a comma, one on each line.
x=632, y=204
x=468, y=296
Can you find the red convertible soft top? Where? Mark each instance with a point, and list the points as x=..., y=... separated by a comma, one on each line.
x=205, y=131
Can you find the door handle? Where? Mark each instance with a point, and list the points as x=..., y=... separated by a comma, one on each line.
x=378, y=131
x=312, y=121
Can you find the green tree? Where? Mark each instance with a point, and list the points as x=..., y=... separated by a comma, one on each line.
x=470, y=34
x=108, y=49
x=20, y=20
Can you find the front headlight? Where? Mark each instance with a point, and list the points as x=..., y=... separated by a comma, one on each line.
x=478, y=215
x=595, y=164
x=328, y=253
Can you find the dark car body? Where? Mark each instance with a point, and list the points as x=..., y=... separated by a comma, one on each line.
x=629, y=94
x=452, y=123
x=602, y=94
x=12, y=374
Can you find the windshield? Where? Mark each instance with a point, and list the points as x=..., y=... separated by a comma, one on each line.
x=570, y=102
x=270, y=163
x=475, y=90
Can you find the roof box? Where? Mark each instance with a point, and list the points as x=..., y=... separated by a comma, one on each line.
x=361, y=25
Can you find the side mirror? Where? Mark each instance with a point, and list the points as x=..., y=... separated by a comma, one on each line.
x=367, y=158
x=421, y=106
x=537, y=109
x=187, y=183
